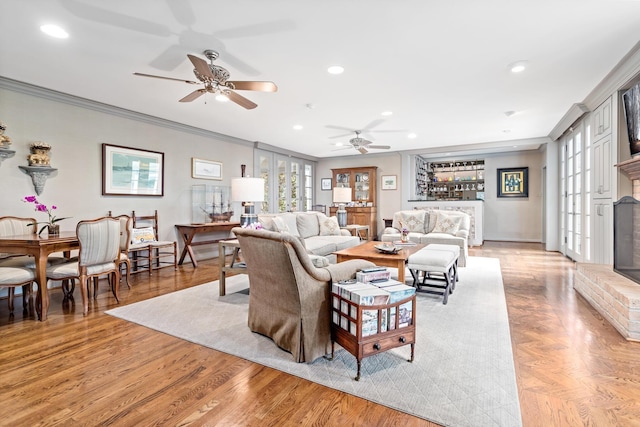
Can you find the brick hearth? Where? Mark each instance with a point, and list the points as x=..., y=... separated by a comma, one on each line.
x=614, y=296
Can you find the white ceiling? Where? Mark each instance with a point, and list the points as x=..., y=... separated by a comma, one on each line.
x=439, y=66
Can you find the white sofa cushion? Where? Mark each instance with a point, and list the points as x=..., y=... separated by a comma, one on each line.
x=286, y=223
x=308, y=224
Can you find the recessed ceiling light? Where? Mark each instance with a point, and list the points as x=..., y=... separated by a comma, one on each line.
x=506, y=130
x=297, y=127
x=221, y=98
x=335, y=69
x=54, y=31
x=339, y=144
x=518, y=66
x=387, y=113
x=412, y=136
x=509, y=113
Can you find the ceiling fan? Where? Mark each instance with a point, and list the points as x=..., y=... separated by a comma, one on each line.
x=359, y=143
x=363, y=145
x=215, y=80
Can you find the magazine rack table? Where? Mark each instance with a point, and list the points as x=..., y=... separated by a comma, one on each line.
x=387, y=337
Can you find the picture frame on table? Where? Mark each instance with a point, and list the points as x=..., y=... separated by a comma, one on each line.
x=206, y=169
x=513, y=182
x=130, y=171
x=325, y=184
x=389, y=182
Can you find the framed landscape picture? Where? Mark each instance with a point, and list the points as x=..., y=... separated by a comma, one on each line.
x=131, y=171
x=206, y=169
x=389, y=182
x=513, y=182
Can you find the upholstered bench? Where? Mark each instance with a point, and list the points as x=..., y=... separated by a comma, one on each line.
x=437, y=259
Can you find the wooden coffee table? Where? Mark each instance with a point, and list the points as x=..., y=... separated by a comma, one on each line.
x=368, y=252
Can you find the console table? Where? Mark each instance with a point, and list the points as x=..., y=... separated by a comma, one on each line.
x=189, y=231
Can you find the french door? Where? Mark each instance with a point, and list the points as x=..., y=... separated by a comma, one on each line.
x=288, y=182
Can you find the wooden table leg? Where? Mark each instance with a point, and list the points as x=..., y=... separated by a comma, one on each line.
x=42, y=297
x=187, y=239
x=400, y=267
x=222, y=263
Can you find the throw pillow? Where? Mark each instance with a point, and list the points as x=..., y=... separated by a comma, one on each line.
x=447, y=224
x=329, y=226
x=142, y=235
x=287, y=222
x=413, y=221
x=308, y=224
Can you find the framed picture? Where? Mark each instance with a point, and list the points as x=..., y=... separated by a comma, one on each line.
x=389, y=182
x=513, y=182
x=131, y=171
x=325, y=184
x=206, y=169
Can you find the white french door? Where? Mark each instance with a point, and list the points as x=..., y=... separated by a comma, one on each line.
x=572, y=178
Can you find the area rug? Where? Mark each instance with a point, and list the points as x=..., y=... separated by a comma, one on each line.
x=462, y=375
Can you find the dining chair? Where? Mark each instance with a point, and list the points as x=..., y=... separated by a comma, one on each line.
x=98, y=255
x=13, y=226
x=126, y=227
x=13, y=277
x=144, y=239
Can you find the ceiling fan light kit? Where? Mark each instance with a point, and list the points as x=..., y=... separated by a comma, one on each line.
x=216, y=81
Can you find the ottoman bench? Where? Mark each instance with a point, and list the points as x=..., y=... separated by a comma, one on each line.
x=437, y=259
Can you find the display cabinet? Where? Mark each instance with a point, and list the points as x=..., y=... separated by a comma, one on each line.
x=363, y=183
x=450, y=180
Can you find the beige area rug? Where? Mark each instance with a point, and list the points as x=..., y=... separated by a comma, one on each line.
x=463, y=373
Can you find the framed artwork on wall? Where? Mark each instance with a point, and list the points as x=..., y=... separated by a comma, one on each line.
x=325, y=184
x=389, y=182
x=132, y=171
x=513, y=182
x=206, y=169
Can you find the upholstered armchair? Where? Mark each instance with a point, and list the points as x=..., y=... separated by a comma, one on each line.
x=289, y=298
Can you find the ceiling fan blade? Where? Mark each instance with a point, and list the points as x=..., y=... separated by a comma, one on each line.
x=340, y=128
x=376, y=122
x=241, y=100
x=191, y=82
x=362, y=150
x=342, y=148
x=260, y=86
x=388, y=130
x=193, y=95
x=384, y=147
x=341, y=135
x=201, y=66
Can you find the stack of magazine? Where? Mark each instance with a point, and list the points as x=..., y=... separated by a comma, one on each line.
x=375, y=289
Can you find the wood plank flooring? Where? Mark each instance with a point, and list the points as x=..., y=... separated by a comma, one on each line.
x=573, y=368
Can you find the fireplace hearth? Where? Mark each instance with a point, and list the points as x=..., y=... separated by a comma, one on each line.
x=626, y=238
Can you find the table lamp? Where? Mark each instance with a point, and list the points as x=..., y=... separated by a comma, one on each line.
x=247, y=190
x=341, y=195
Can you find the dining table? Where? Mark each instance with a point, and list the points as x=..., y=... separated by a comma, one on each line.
x=40, y=247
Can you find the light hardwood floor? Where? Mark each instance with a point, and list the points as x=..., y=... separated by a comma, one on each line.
x=573, y=368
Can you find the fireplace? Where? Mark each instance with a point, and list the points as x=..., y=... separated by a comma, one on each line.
x=626, y=238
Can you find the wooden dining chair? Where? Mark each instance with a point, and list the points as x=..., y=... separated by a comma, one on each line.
x=98, y=255
x=13, y=277
x=126, y=226
x=144, y=240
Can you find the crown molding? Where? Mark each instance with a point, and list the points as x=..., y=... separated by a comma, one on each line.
x=574, y=114
x=52, y=95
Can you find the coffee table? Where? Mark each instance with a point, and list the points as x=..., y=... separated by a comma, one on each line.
x=367, y=251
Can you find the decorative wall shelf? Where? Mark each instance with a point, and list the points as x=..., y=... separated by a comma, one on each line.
x=5, y=154
x=39, y=175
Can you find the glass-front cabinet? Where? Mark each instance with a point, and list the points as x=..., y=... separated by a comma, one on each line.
x=449, y=180
x=362, y=182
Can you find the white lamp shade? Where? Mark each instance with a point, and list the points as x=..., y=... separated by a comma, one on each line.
x=341, y=195
x=247, y=189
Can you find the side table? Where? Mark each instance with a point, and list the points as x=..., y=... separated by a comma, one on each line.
x=357, y=230
x=233, y=266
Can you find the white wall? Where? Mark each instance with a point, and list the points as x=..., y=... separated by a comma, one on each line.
x=76, y=134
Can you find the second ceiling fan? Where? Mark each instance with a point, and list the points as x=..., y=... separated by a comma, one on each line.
x=215, y=80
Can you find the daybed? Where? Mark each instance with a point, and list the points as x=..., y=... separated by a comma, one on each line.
x=434, y=226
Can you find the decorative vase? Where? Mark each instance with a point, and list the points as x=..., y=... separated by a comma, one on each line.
x=53, y=230
x=405, y=236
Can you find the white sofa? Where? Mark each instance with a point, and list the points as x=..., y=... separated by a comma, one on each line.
x=320, y=234
x=433, y=226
